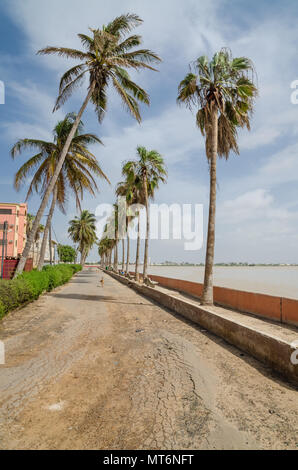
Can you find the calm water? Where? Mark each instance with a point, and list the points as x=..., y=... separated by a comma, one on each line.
x=280, y=281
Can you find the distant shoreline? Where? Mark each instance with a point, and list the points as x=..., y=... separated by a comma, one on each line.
x=228, y=265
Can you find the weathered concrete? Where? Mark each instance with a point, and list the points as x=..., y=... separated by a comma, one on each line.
x=274, y=350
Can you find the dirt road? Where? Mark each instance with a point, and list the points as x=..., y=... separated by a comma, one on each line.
x=91, y=367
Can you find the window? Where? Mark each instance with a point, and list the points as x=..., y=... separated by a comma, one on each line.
x=16, y=243
x=6, y=211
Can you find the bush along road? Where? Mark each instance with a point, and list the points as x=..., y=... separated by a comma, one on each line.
x=30, y=285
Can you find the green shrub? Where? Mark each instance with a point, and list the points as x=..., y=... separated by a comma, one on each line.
x=30, y=285
x=2, y=310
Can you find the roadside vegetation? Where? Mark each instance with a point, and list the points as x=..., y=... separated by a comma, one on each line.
x=28, y=286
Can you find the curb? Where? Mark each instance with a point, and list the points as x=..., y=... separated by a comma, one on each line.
x=268, y=349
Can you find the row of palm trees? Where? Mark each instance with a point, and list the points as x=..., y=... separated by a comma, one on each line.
x=141, y=179
x=221, y=91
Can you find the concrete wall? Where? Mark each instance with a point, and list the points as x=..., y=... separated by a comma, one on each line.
x=10, y=267
x=289, y=311
x=274, y=308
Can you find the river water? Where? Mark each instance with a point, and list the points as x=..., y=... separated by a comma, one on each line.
x=279, y=280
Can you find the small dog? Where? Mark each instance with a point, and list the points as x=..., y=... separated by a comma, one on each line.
x=102, y=282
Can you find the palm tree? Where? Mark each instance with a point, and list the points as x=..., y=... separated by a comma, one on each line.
x=105, y=247
x=76, y=175
x=131, y=188
x=107, y=56
x=40, y=230
x=126, y=189
x=29, y=223
x=82, y=230
x=150, y=170
x=223, y=90
x=116, y=219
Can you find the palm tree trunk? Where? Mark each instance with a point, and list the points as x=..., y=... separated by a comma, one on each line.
x=33, y=254
x=123, y=254
x=116, y=254
x=83, y=256
x=50, y=188
x=207, y=297
x=137, y=277
x=46, y=231
x=128, y=253
x=147, y=227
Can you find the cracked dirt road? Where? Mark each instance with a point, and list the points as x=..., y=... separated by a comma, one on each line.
x=104, y=368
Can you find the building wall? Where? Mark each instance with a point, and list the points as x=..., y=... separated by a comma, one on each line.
x=16, y=216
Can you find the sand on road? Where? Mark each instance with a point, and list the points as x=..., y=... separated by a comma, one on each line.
x=91, y=367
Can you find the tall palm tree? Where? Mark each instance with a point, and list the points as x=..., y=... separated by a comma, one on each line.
x=78, y=171
x=107, y=56
x=223, y=90
x=29, y=223
x=131, y=188
x=127, y=190
x=82, y=230
x=40, y=229
x=105, y=247
x=150, y=170
x=116, y=220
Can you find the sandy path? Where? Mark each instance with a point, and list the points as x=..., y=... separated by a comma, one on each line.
x=104, y=368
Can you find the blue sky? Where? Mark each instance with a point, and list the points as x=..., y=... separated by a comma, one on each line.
x=257, y=213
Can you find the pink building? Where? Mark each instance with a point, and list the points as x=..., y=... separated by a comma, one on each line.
x=16, y=217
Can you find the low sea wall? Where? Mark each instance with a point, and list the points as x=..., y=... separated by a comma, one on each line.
x=269, y=349
x=274, y=308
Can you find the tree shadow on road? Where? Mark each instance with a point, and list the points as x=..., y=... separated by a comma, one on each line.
x=96, y=298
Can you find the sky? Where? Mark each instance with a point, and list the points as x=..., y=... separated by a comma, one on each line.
x=257, y=204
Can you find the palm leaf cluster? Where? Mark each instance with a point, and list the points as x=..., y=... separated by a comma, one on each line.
x=79, y=169
x=106, y=55
x=82, y=230
x=227, y=84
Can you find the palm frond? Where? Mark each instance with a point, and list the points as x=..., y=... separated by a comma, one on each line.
x=68, y=90
x=128, y=101
x=64, y=52
x=123, y=24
